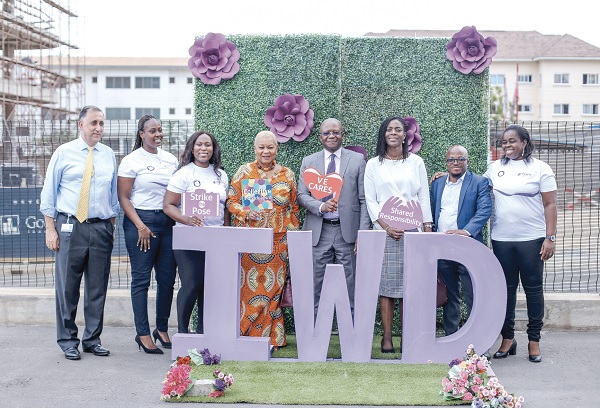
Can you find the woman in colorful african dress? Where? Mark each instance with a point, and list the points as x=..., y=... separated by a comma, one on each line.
x=262, y=194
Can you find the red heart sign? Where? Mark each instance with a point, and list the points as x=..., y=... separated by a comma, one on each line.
x=321, y=186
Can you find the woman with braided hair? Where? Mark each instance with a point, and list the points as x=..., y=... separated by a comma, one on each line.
x=143, y=176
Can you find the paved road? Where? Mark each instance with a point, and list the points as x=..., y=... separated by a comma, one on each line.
x=35, y=373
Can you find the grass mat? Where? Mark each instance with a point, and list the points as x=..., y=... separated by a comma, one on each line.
x=329, y=383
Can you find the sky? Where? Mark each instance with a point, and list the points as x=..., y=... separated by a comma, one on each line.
x=159, y=28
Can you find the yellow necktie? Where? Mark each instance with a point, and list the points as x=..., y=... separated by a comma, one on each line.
x=84, y=194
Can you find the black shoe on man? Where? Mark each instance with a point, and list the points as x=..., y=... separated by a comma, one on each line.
x=97, y=350
x=72, y=353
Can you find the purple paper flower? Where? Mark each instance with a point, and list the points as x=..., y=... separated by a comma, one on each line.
x=207, y=360
x=413, y=134
x=216, y=359
x=220, y=385
x=290, y=117
x=469, y=51
x=213, y=59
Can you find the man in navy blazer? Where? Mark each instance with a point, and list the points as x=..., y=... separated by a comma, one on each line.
x=335, y=221
x=460, y=204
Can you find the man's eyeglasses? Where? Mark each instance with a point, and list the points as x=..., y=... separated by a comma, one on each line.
x=456, y=160
x=336, y=134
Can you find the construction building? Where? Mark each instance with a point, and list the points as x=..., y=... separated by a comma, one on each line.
x=40, y=88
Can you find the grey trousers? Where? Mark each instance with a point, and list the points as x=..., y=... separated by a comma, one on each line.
x=85, y=252
x=332, y=247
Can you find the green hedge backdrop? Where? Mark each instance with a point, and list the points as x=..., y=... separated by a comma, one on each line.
x=359, y=80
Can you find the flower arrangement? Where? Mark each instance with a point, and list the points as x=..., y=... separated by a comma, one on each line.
x=465, y=377
x=179, y=379
x=493, y=395
x=413, y=134
x=204, y=357
x=290, y=117
x=470, y=52
x=213, y=59
x=221, y=383
x=177, y=382
x=472, y=380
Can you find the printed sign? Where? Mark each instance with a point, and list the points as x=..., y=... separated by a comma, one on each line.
x=321, y=186
x=257, y=194
x=401, y=214
x=199, y=203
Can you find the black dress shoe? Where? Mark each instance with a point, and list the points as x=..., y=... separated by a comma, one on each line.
x=72, y=353
x=487, y=355
x=511, y=351
x=165, y=344
x=97, y=350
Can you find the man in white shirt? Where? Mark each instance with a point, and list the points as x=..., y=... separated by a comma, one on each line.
x=460, y=204
x=80, y=229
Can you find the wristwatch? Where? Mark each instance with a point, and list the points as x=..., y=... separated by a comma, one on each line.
x=551, y=237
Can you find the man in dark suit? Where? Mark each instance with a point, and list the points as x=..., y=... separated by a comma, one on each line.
x=335, y=221
x=460, y=204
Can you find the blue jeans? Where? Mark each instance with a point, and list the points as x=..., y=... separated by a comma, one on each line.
x=455, y=275
x=160, y=257
x=522, y=260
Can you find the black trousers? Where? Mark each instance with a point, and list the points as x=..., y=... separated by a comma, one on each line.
x=190, y=265
x=84, y=252
x=522, y=260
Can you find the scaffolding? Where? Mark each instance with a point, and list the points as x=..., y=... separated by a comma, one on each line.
x=39, y=79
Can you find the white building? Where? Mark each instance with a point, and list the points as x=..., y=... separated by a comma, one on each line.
x=549, y=77
x=128, y=88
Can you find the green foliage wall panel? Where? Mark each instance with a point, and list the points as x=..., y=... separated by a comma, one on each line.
x=359, y=80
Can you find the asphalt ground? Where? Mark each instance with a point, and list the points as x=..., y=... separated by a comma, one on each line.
x=36, y=374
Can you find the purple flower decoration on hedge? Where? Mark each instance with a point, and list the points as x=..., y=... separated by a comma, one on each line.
x=213, y=59
x=413, y=134
x=470, y=52
x=290, y=117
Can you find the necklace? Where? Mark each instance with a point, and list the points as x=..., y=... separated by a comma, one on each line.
x=265, y=169
x=387, y=156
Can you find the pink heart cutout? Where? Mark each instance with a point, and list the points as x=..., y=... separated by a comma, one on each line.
x=321, y=186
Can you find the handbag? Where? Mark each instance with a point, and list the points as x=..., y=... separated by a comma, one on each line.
x=441, y=295
x=286, y=293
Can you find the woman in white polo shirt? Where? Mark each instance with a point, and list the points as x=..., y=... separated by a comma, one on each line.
x=199, y=168
x=143, y=176
x=523, y=232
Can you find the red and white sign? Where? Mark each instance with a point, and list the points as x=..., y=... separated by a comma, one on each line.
x=321, y=186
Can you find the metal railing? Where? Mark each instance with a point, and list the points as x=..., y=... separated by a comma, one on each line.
x=572, y=149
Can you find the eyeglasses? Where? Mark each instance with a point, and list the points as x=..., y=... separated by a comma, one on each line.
x=456, y=160
x=334, y=133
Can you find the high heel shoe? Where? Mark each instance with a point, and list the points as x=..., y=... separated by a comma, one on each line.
x=165, y=344
x=146, y=349
x=511, y=351
x=534, y=359
x=387, y=351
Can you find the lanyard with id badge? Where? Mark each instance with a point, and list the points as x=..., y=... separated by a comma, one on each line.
x=67, y=226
